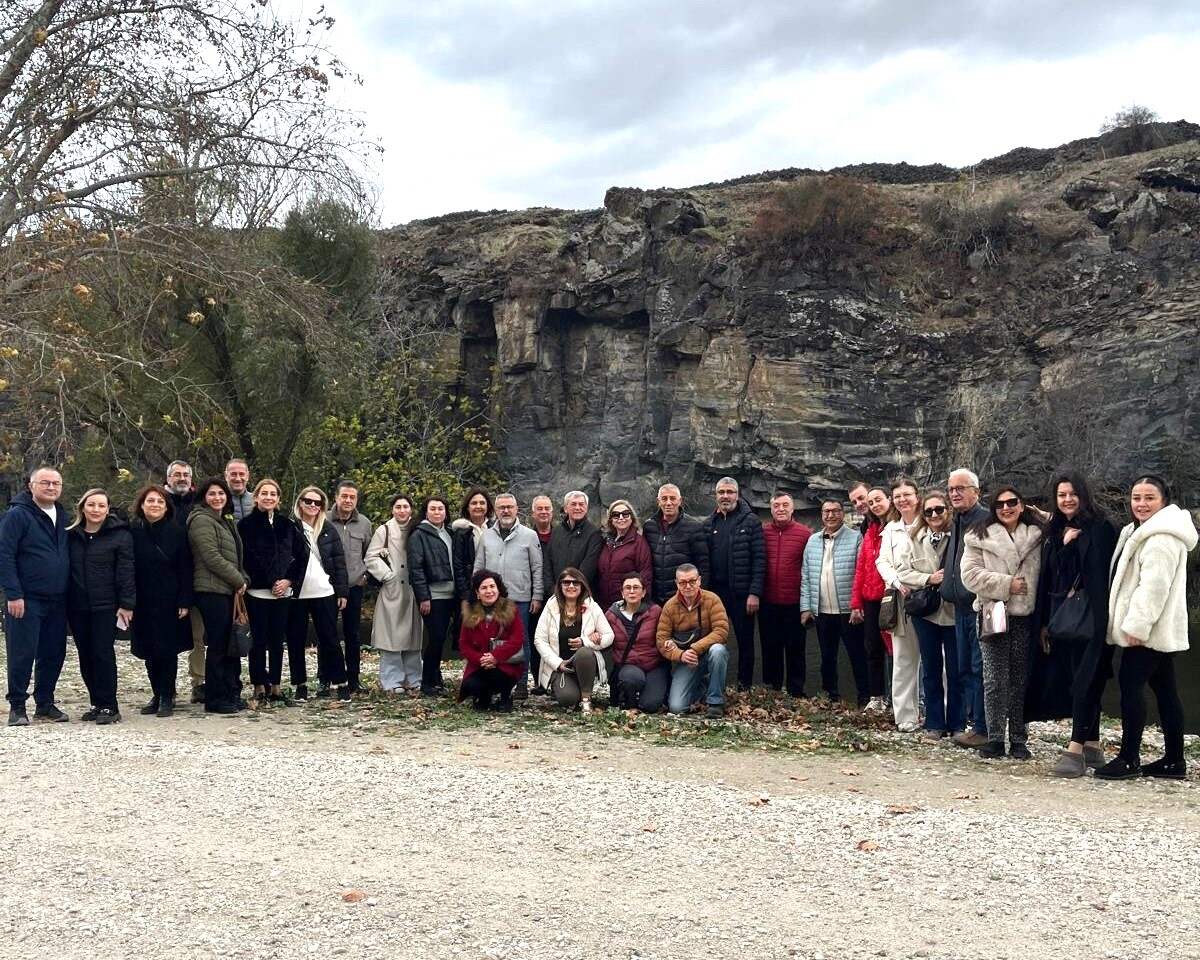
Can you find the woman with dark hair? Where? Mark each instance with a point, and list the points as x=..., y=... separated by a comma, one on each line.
x=492, y=642
x=396, y=625
x=1002, y=557
x=1076, y=556
x=867, y=592
x=218, y=574
x=431, y=572
x=640, y=677
x=1148, y=617
x=625, y=552
x=162, y=566
x=101, y=593
x=573, y=638
x=474, y=516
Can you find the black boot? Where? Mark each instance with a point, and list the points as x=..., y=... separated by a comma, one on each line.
x=150, y=708
x=166, y=706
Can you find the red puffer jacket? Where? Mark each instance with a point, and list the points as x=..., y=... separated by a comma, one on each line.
x=868, y=584
x=643, y=652
x=785, y=552
x=503, y=637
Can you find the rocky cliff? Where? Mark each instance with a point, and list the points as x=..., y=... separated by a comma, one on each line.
x=799, y=330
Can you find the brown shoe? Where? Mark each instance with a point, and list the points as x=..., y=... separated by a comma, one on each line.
x=970, y=740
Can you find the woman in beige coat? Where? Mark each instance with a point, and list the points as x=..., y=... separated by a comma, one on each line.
x=1002, y=557
x=396, y=630
x=906, y=651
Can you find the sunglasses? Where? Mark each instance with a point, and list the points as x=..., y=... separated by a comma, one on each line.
x=568, y=583
x=310, y=502
x=934, y=511
x=619, y=514
x=1008, y=503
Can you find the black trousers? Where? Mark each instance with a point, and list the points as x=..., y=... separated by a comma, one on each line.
x=482, y=685
x=1141, y=666
x=351, y=623
x=161, y=670
x=268, y=629
x=742, y=625
x=876, y=652
x=783, y=639
x=95, y=633
x=1091, y=665
x=222, y=672
x=639, y=689
x=834, y=629
x=437, y=625
x=323, y=612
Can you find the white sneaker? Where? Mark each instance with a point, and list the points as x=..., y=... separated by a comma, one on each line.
x=585, y=706
x=909, y=727
x=876, y=705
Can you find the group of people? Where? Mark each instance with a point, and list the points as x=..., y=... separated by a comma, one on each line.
x=962, y=598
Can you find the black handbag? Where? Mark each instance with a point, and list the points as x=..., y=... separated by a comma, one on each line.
x=240, y=640
x=889, y=610
x=1073, y=618
x=685, y=638
x=923, y=602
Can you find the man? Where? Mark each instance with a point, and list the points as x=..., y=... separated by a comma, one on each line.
x=355, y=531
x=541, y=509
x=826, y=578
x=783, y=634
x=674, y=539
x=692, y=633
x=963, y=488
x=35, y=564
x=512, y=550
x=182, y=496
x=737, y=558
x=576, y=542
x=858, y=494
x=237, y=476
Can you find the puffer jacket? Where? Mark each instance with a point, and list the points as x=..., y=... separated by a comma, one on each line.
x=868, y=584
x=331, y=555
x=990, y=564
x=35, y=560
x=545, y=638
x=619, y=559
x=708, y=616
x=674, y=544
x=953, y=588
x=845, y=556
x=642, y=650
x=272, y=551
x=784, y=550
x=102, y=572
x=745, y=560
x=429, y=560
x=216, y=552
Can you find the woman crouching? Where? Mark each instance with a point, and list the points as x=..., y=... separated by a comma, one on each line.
x=492, y=641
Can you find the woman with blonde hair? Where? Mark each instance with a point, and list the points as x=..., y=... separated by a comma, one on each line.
x=625, y=552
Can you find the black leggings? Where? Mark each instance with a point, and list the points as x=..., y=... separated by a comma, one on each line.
x=324, y=612
x=95, y=633
x=873, y=640
x=1091, y=666
x=437, y=624
x=1141, y=666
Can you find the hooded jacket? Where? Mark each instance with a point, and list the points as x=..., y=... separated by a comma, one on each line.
x=34, y=556
x=745, y=556
x=1147, y=598
x=619, y=559
x=673, y=544
x=216, y=552
x=868, y=584
x=102, y=574
x=503, y=636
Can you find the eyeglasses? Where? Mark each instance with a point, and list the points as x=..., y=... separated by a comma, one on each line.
x=832, y=513
x=620, y=514
x=934, y=511
x=957, y=489
x=568, y=583
x=48, y=483
x=310, y=502
x=1008, y=503
x=689, y=582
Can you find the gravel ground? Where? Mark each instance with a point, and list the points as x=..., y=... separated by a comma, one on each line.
x=270, y=837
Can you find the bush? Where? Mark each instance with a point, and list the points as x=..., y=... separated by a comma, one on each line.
x=824, y=216
x=964, y=223
x=1130, y=130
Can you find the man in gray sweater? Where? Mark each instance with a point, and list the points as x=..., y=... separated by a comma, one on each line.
x=355, y=531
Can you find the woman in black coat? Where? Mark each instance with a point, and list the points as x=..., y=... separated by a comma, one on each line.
x=1078, y=551
x=101, y=592
x=162, y=562
x=431, y=573
x=276, y=555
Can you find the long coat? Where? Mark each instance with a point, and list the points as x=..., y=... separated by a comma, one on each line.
x=397, y=623
x=162, y=562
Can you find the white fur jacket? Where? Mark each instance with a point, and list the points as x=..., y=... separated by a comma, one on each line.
x=990, y=565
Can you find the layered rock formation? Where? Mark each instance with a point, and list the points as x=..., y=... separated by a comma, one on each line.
x=672, y=334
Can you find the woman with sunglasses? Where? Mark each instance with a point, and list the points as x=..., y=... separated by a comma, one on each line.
x=320, y=594
x=1002, y=557
x=574, y=640
x=922, y=567
x=625, y=552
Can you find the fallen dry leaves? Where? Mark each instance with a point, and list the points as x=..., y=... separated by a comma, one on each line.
x=866, y=846
x=354, y=896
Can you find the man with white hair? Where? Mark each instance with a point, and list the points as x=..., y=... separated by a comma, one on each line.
x=674, y=539
x=738, y=558
x=576, y=542
x=963, y=489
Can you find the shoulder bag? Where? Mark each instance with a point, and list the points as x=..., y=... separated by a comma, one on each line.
x=925, y=601
x=384, y=555
x=1073, y=618
x=993, y=619
x=241, y=641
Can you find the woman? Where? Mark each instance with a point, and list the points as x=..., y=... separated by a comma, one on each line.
x=321, y=592
x=1002, y=555
x=218, y=575
x=492, y=642
x=867, y=592
x=276, y=556
x=162, y=564
x=906, y=654
x=922, y=567
x=396, y=627
x=474, y=516
x=573, y=638
x=1148, y=617
x=625, y=552
x=642, y=675
x=101, y=594
x=431, y=572
x=1076, y=557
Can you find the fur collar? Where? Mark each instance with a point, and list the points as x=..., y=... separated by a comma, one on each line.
x=503, y=614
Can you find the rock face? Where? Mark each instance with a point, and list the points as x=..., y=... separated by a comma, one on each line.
x=670, y=335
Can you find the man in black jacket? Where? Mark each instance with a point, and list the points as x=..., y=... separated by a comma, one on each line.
x=739, y=561
x=183, y=495
x=576, y=542
x=675, y=539
x=34, y=568
x=963, y=488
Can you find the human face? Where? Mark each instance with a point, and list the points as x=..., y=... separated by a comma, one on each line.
x=669, y=502
x=1066, y=499
x=179, y=480
x=963, y=494
x=620, y=516
x=215, y=498
x=488, y=592
x=904, y=499
x=477, y=508
x=727, y=497
x=1008, y=508
x=571, y=588
x=267, y=498
x=1145, y=500
x=878, y=503
x=237, y=475
x=937, y=514
x=576, y=509
x=832, y=517
x=506, y=511
x=311, y=504
x=46, y=487
x=435, y=512
x=402, y=510
x=858, y=500
x=542, y=509
x=95, y=509
x=782, y=509
x=632, y=592
x=347, y=500
x=154, y=507
x=688, y=585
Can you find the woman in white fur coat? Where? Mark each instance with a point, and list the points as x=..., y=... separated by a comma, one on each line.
x=1147, y=616
x=1002, y=557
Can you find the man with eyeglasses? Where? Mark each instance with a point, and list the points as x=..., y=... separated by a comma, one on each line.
x=826, y=579
x=183, y=495
x=738, y=561
x=691, y=634
x=35, y=565
x=963, y=488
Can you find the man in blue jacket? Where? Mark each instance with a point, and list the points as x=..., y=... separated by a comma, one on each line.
x=34, y=568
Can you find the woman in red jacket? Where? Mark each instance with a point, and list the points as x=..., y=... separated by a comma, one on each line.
x=492, y=640
x=641, y=677
x=868, y=591
x=625, y=551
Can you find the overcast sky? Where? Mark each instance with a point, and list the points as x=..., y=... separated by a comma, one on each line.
x=517, y=103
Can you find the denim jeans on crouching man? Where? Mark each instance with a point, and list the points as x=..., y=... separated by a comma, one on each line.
x=688, y=682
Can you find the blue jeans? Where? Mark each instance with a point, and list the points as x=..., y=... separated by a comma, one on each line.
x=687, y=682
x=39, y=637
x=523, y=612
x=943, y=704
x=970, y=667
